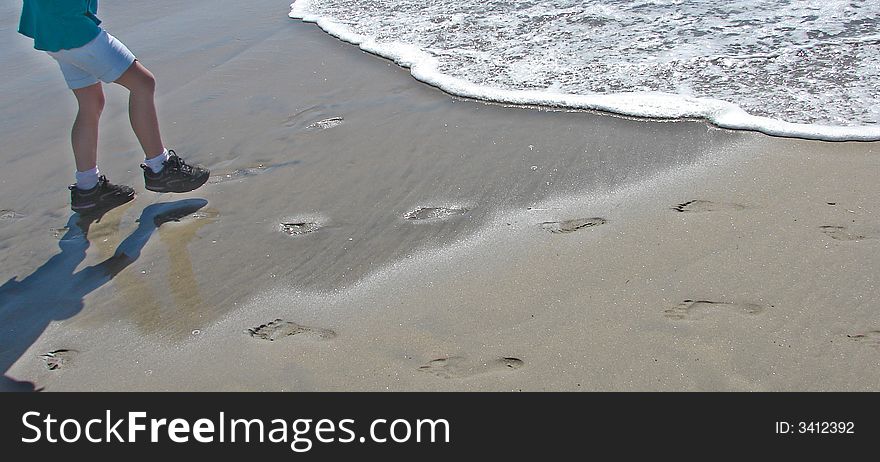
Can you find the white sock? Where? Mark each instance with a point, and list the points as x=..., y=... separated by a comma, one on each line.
x=87, y=179
x=157, y=163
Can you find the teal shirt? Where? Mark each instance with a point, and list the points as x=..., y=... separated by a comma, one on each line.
x=59, y=24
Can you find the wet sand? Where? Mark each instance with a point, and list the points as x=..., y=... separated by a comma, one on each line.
x=364, y=231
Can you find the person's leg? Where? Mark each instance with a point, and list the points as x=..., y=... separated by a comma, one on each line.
x=164, y=170
x=92, y=193
x=142, y=108
x=84, y=136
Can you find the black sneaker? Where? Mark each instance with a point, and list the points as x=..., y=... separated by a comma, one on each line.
x=176, y=176
x=104, y=196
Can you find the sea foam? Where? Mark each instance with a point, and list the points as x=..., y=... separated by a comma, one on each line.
x=494, y=57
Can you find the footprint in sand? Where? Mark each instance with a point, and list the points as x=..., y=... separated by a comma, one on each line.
x=842, y=233
x=314, y=118
x=57, y=359
x=457, y=367
x=569, y=226
x=299, y=228
x=9, y=215
x=697, y=309
x=870, y=338
x=326, y=123
x=280, y=328
x=695, y=206
x=434, y=213
x=58, y=233
x=247, y=172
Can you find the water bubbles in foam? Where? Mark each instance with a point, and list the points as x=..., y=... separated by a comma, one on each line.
x=755, y=64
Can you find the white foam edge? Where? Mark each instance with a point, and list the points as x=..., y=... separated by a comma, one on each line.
x=654, y=105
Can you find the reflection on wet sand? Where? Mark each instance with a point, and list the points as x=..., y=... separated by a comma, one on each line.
x=56, y=290
x=145, y=300
x=188, y=303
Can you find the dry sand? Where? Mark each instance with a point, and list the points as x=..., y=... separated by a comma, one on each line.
x=364, y=231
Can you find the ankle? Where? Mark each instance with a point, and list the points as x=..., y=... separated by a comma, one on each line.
x=88, y=179
x=156, y=163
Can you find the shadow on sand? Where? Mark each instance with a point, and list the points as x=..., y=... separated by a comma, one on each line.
x=56, y=290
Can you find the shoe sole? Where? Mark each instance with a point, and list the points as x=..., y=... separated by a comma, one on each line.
x=177, y=190
x=93, y=208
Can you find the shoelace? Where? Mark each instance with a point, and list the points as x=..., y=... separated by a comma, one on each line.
x=176, y=162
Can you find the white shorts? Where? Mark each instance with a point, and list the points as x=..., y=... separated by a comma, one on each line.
x=103, y=59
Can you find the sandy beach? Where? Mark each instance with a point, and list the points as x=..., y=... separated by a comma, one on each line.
x=365, y=231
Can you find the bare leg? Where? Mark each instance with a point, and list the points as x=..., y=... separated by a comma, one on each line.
x=142, y=108
x=84, y=136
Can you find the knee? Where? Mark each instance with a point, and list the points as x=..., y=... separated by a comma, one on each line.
x=146, y=83
x=91, y=104
x=138, y=79
x=95, y=105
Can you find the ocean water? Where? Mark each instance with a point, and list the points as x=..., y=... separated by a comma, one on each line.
x=806, y=69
